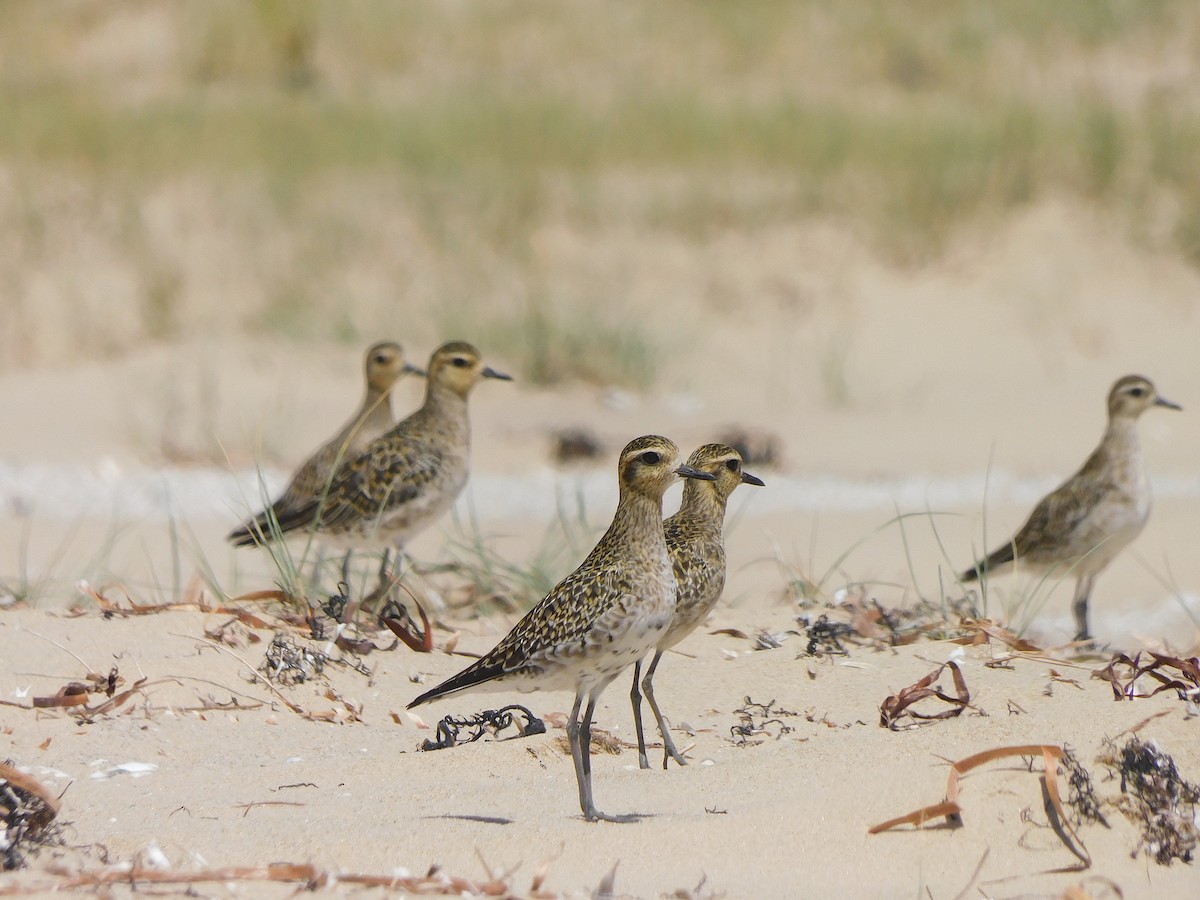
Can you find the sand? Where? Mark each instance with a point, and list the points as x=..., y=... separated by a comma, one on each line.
x=974, y=384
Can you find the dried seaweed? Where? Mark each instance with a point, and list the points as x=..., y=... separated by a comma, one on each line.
x=866, y=620
x=450, y=728
x=1122, y=673
x=27, y=816
x=289, y=662
x=950, y=810
x=898, y=705
x=1156, y=798
x=825, y=637
x=1081, y=793
x=756, y=719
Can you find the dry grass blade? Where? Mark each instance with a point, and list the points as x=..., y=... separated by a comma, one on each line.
x=945, y=810
x=71, y=694
x=1122, y=673
x=606, y=889
x=898, y=705
x=112, y=608
x=76, y=694
x=950, y=809
x=260, y=596
x=309, y=876
x=982, y=631
x=193, y=600
x=294, y=707
x=1059, y=821
x=119, y=699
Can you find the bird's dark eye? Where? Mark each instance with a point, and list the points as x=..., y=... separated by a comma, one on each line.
x=461, y=362
x=731, y=465
x=380, y=360
x=1137, y=392
x=651, y=458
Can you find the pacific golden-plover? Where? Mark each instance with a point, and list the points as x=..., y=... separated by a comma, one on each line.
x=697, y=550
x=599, y=619
x=383, y=365
x=1084, y=523
x=410, y=475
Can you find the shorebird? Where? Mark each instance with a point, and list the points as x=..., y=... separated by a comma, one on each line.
x=697, y=550
x=599, y=619
x=1091, y=517
x=409, y=476
x=383, y=365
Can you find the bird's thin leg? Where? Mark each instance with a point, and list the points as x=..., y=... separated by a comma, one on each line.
x=585, y=738
x=669, y=751
x=346, y=569
x=318, y=561
x=1083, y=589
x=383, y=588
x=385, y=581
x=584, y=784
x=583, y=766
x=635, y=698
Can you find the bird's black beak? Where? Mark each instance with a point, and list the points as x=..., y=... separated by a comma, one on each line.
x=688, y=472
x=489, y=372
x=747, y=478
x=1163, y=401
x=410, y=369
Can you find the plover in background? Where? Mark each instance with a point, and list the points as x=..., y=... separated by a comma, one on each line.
x=410, y=475
x=383, y=365
x=1092, y=516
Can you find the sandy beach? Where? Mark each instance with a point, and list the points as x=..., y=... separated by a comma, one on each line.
x=910, y=264
x=328, y=773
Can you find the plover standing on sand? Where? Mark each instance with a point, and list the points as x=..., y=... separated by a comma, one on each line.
x=409, y=476
x=383, y=365
x=599, y=619
x=697, y=549
x=1092, y=516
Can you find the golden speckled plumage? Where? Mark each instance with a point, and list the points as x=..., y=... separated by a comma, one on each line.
x=383, y=365
x=410, y=475
x=696, y=545
x=603, y=616
x=1085, y=522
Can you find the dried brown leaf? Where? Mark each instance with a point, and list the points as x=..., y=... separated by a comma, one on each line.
x=950, y=809
x=72, y=694
x=898, y=705
x=263, y=596
x=732, y=632
x=1123, y=672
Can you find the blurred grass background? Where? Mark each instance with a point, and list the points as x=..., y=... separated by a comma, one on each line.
x=347, y=169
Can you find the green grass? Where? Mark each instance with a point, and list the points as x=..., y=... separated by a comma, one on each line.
x=490, y=579
x=488, y=124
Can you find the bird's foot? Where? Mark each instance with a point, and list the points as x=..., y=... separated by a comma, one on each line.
x=594, y=815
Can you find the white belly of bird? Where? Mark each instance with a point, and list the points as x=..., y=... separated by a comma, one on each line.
x=1113, y=526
